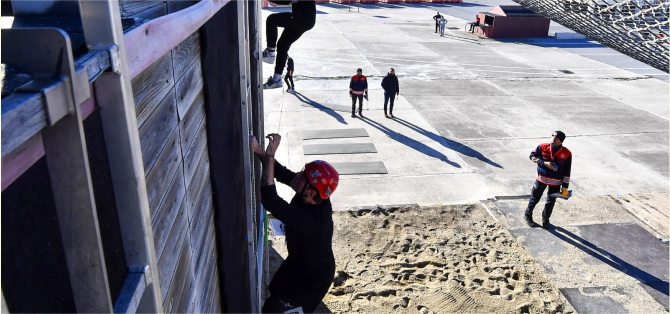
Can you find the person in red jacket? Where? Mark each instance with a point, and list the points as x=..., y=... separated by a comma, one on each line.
x=553, y=170
x=357, y=87
x=475, y=24
x=303, y=279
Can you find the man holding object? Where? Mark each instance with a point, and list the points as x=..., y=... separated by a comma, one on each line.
x=553, y=170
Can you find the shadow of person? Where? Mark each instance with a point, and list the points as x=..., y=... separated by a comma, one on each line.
x=610, y=259
x=453, y=145
x=275, y=260
x=407, y=141
x=321, y=107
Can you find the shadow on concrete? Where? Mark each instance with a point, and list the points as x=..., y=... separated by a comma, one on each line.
x=551, y=42
x=611, y=260
x=450, y=144
x=275, y=261
x=321, y=107
x=413, y=144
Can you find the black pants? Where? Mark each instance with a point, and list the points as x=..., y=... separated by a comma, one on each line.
x=353, y=103
x=387, y=97
x=472, y=26
x=293, y=29
x=437, y=26
x=536, y=194
x=274, y=305
x=288, y=78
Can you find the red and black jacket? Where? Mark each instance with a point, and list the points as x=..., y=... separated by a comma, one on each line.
x=561, y=157
x=358, y=85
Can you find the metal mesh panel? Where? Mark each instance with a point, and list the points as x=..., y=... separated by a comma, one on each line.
x=637, y=28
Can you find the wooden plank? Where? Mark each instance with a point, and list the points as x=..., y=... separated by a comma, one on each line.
x=158, y=179
x=188, y=87
x=199, y=185
x=205, y=275
x=174, y=6
x=183, y=278
x=168, y=262
x=150, y=13
x=132, y=291
x=21, y=158
x=132, y=7
x=211, y=291
x=185, y=54
x=192, y=121
x=173, y=204
x=88, y=106
x=194, y=154
x=23, y=116
x=95, y=62
x=151, y=86
x=156, y=131
x=149, y=41
x=221, y=72
x=201, y=240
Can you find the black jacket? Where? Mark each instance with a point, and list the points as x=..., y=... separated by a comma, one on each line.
x=390, y=84
x=308, y=271
x=289, y=67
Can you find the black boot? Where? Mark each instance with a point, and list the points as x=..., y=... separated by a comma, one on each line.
x=545, y=223
x=529, y=220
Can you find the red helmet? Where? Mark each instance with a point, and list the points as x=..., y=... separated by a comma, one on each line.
x=323, y=177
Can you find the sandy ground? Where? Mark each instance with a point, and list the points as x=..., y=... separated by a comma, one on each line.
x=451, y=259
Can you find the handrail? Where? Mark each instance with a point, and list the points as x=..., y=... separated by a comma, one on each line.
x=150, y=41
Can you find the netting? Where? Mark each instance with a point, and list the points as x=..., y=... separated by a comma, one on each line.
x=637, y=28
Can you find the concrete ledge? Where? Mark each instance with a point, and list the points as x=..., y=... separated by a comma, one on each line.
x=563, y=36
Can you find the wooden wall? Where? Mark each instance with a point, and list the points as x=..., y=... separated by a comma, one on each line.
x=171, y=120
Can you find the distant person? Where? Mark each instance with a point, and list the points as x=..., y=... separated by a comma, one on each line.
x=357, y=87
x=288, y=78
x=437, y=23
x=443, y=24
x=475, y=24
x=295, y=23
x=303, y=279
x=553, y=170
x=391, y=90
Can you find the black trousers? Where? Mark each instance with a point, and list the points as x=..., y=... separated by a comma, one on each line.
x=274, y=305
x=437, y=26
x=293, y=26
x=288, y=78
x=472, y=26
x=353, y=103
x=387, y=97
x=536, y=194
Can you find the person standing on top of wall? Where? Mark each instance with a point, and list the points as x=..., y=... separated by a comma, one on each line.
x=288, y=78
x=303, y=279
x=475, y=24
x=295, y=23
x=554, y=162
x=391, y=90
x=443, y=24
x=357, y=87
x=437, y=18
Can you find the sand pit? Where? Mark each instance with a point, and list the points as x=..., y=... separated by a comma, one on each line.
x=452, y=259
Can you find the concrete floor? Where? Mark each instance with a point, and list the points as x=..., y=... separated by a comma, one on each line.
x=469, y=113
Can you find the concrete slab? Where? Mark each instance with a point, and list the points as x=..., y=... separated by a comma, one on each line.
x=328, y=149
x=334, y=133
x=590, y=300
x=450, y=88
x=649, y=95
x=370, y=167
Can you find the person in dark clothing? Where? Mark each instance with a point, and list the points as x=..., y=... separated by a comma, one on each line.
x=303, y=279
x=391, y=90
x=288, y=78
x=475, y=24
x=554, y=162
x=437, y=19
x=301, y=19
x=357, y=87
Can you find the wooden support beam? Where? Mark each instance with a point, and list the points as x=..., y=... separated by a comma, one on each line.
x=223, y=105
x=132, y=290
x=21, y=158
x=102, y=28
x=149, y=41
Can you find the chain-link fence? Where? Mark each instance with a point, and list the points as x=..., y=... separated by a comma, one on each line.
x=638, y=28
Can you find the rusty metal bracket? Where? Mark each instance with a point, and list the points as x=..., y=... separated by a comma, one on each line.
x=46, y=54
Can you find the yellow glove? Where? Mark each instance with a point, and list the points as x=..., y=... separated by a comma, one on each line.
x=564, y=192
